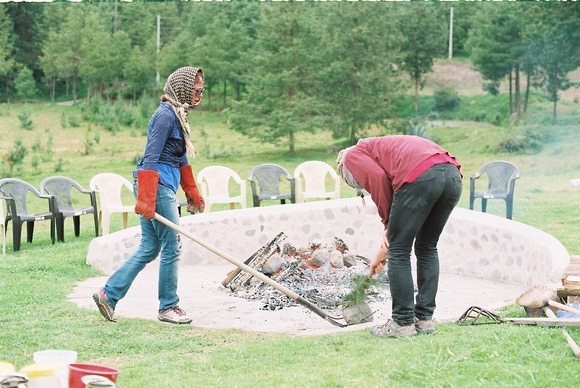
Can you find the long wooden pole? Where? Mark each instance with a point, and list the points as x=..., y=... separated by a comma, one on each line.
x=286, y=291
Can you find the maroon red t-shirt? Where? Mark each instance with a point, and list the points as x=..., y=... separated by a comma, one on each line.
x=383, y=164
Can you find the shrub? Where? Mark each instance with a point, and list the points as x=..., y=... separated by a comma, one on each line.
x=25, y=121
x=74, y=121
x=530, y=141
x=445, y=98
x=63, y=123
x=58, y=166
x=87, y=144
x=15, y=157
x=25, y=84
x=48, y=151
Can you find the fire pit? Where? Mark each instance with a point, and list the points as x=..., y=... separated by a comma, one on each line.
x=323, y=273
x=485, y=260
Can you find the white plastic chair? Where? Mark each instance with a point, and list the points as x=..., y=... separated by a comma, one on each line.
x=316, y=179
x=3, y=226
x=217, y=182
x=109, y=188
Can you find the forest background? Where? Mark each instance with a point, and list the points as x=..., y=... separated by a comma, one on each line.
x=278, y=70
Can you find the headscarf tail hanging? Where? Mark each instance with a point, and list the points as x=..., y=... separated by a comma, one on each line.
x=178, y=91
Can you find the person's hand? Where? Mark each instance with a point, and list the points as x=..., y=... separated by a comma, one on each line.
x=379, y=262
x=195, y=202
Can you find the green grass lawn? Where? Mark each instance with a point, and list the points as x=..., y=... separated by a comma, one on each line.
x=34, y=282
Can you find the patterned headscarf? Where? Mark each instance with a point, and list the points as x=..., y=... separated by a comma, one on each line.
x=178, y=91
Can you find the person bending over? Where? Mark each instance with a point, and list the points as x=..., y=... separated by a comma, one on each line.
x=415, y=185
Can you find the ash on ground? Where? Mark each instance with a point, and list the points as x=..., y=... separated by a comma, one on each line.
x=322, y=273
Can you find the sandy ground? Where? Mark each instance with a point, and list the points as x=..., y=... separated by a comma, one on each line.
x=213, y=306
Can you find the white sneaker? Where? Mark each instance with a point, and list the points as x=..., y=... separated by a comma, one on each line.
x=174, y=315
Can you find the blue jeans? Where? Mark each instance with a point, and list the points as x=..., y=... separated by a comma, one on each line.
x=155, y=238
x=418, y=214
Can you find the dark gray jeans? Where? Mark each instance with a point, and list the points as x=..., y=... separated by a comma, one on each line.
x=418, y=213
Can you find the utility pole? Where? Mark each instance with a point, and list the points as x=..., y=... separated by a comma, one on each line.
x=115, y=18
x=158, y=46
x=450, y=32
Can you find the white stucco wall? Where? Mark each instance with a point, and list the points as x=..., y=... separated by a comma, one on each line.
x=473, y=244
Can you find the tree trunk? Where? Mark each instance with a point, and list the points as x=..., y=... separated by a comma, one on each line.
x=291, y=141
x=517, y=91
x=217, y=104
x=52, y=89
x=511, y=95
x=209, y=95
x=416, y=97
x=527, y=97
x=555, y=93
x=225, y=92
x=75, y=89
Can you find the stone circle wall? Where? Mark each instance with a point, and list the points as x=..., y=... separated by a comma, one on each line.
x=473, y=244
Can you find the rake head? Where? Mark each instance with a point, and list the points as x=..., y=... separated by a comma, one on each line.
x=478, y=316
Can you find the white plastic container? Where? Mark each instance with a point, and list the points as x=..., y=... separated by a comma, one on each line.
x=61, y=358
x=6, y=368
x=41, y=376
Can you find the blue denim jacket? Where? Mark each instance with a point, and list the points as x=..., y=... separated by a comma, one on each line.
x=165, y=150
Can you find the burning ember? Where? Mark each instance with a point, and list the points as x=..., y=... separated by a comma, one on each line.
x=321, y=273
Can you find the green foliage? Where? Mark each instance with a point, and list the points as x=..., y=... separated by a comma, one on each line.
x=15, y=157
x=358, y=294
x=112, y=116
x=529, y=141
x=280, y=103
x=483, y=108
x=553, y=49
x=6, y=43
x=25, y=120
x=88, y=143
x=446, y=98
x=70, y=119
x=48, y=151
x=492, y=87
x=35, y=163
x=357, y=83
x=419, y=50
x=63, y=121
x=25, y=85
x=58, y=167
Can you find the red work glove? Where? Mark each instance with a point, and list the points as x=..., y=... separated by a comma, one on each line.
x=195, y=202
x=147, y=183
